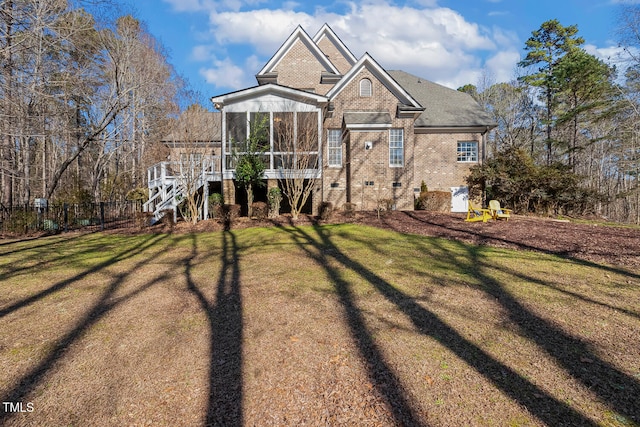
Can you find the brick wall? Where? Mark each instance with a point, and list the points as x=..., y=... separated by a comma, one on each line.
x=334, y=55
x=300, y=69
x=436, y=160
x=362, y=167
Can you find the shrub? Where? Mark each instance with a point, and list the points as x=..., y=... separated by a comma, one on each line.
x=230, y=212
x=349, y=209
x=326, y=210
x=436, y=201
x=138, y=194
x=20, y=222
x=167, y=218
x=143, y=219
x=215, y=205
x=516, y=181
x=260, y=210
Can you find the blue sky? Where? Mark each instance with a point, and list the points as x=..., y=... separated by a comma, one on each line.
x=219, y=45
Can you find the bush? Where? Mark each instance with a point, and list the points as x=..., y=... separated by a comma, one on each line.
x=260, y=210
x=167, y=218
x=326, y=210
x=385, y=205
x=143, y=219
x=436, y=201
x=230, y=212
x=516, y=181
x=215, y=205
x=20, y=222
x=349, y=209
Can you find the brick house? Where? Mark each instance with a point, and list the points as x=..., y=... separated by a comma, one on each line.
x=378, y=133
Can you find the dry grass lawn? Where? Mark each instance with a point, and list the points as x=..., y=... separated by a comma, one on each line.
x=324, y=325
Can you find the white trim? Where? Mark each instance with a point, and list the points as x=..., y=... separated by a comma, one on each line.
x=366, y=126
x=365, y=92
x=449, y=129
x=330, y=147
x=269, y=88
x=391, y=165
x=473, y=143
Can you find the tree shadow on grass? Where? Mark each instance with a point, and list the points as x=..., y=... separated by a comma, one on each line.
x=107, y=302
x=538, y=402
x=225, y=402
x=138, y=248
x=35, y=259
x=380, y=373
x=617, y=389
x=613, y=387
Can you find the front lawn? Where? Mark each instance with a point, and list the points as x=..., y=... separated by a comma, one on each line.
x=340, y=325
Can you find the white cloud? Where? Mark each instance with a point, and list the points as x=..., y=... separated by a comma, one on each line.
x=502, y=65
x=202, y=53
x=263, y=29
x=425, y=3
x=612, y=55
x=498, y=13
x=435, y=43
x=432, y=42
x=224, y=73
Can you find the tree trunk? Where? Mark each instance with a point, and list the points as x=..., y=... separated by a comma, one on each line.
x=249, y=189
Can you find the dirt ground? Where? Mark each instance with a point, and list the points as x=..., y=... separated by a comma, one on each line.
x=616, y=245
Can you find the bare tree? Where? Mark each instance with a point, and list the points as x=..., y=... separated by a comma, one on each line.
x=296, y=150
x=193, y=158
x=79, y=98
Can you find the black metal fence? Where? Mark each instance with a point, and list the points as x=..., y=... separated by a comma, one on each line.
x=54, y=218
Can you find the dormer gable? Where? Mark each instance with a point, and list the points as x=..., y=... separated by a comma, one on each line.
x=408, y=106
x=304, y=44
x=334, y=49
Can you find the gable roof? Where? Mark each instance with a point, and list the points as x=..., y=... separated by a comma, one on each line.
x=327, y=32
x=443, y=106
x=298, y=35
x=369, y=63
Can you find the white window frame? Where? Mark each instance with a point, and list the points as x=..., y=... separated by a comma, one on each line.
x=396, y=148
x=467, y=151
x=334, y=148
x=366, y=88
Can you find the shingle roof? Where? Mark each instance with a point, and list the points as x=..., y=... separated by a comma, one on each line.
x=443, y=107
x=368, y=118
x=196, y=126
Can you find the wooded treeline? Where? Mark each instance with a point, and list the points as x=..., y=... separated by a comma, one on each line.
x=86, y=94
x=567, y=135
x=83, y=94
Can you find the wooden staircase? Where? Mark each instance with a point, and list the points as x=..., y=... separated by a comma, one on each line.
x=169, y=183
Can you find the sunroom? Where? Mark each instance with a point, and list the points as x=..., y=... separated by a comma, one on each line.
x=287, y=122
